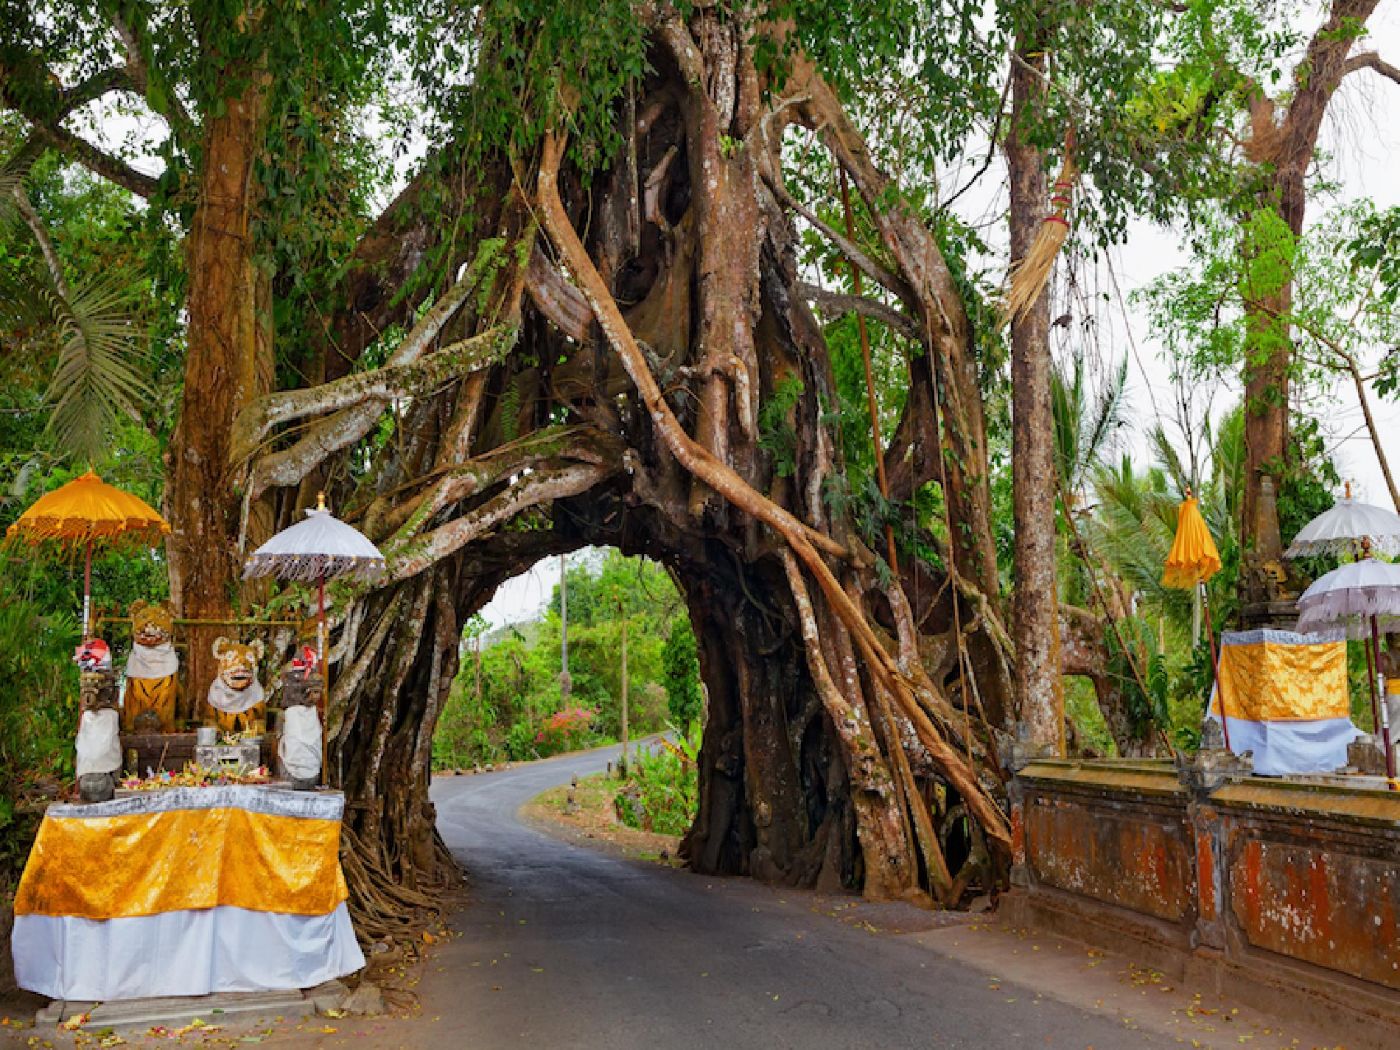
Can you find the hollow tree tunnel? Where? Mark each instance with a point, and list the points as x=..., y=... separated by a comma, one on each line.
x=633, y=360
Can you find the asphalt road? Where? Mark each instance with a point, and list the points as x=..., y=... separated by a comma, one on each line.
x=564, y=946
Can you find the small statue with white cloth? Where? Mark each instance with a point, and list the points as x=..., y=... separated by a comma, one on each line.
x=299, y=746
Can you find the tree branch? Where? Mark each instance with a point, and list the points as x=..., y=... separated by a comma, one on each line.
x=1372, y=60
x=411, y=378
x=41, y=234
x=838, y=304
x=564, y=479
x=45, y=107
x=137, y=43
x=104, y=164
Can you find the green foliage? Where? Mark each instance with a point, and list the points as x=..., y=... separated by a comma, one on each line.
x=777, y=430
x=661, y=793
x=519, y=691
x=681, y=668
x=38, y=712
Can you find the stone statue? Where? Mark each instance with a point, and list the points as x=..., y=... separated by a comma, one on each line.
x=99, y=742
x=299, y=747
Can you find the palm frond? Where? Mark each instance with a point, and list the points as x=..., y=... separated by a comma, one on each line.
x=99, y=375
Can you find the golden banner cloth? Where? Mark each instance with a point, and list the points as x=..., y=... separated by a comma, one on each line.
x=148, y=863
x=1274, y=681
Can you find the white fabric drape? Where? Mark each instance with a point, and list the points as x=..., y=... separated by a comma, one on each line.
x=99, y=746
x=300, y=743
x=182, y=953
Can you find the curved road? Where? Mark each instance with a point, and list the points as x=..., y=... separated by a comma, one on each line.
x=563, y=946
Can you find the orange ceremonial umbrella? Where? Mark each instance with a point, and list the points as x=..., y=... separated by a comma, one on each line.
x=1194, y=557
x=87, y=511
x=1193, y=560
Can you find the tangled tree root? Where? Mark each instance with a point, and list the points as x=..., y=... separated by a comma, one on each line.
x=385, y=909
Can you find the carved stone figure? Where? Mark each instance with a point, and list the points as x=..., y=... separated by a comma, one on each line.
x=299, y=747
x=152, y=671
x=99, y=743
x=236, y=694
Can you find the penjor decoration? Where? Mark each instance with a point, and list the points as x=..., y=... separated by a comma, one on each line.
x=1031, y=274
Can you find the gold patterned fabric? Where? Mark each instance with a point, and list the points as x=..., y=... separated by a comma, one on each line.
x=1273, y=681
x=146, y=863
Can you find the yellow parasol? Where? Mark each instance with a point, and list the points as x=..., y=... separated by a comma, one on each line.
x=1193, y=560
x=87, y=511
x=1194, y=557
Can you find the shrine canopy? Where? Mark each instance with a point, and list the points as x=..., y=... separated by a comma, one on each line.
x=88, y=510
x=85, y=512
x=320, y=547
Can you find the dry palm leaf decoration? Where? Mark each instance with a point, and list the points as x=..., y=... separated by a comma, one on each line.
x=1031, y=274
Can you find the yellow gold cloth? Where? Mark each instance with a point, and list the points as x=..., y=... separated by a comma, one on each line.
x=145, y=864
x=1274, y=682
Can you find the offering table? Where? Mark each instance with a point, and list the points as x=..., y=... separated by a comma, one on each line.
x=185, y=891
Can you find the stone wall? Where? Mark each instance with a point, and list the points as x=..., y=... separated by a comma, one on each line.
x=1283, y=894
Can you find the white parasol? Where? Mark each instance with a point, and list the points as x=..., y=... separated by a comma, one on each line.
x=1353, y=592
x=320, y=548
x=1339, y=529
x=1360, y=594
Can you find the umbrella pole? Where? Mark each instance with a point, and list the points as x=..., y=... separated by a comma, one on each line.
x=1215, y=668
x=87, y=590
x=1378, y=704
x=325, y=670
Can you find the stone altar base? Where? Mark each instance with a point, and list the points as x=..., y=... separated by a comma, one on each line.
x=172, y=751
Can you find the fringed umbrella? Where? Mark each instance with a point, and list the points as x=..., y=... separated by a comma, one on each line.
x=1359, y=594
x=320, y=548
x=86, y=512
x=1346, y=523
x=1192, y=561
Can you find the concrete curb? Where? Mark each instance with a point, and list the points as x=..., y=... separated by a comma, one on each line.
x=178, y=1011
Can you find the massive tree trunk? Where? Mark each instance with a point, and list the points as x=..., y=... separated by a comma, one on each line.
x=221, y=372
x=598, y=379
x=1039, y=689
x=1281, y=147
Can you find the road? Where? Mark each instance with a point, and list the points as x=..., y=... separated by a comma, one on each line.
x=564, y=946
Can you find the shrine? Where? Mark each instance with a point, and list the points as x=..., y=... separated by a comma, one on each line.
x=201, y=853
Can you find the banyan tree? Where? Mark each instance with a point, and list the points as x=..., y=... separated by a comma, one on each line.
x=599, y=312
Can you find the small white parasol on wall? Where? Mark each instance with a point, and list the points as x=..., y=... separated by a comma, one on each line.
x=1360, y=595
x=1346, y=523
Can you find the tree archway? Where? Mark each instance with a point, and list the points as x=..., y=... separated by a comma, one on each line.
x=627, y=355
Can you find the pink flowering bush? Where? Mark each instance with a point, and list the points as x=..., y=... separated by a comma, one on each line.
x=565, y=730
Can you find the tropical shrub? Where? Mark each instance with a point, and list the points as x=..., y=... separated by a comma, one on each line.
x=566, y=730
x=661, y=793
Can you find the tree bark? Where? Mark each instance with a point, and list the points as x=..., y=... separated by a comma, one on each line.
x=1039, y=688
x=221, y=375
